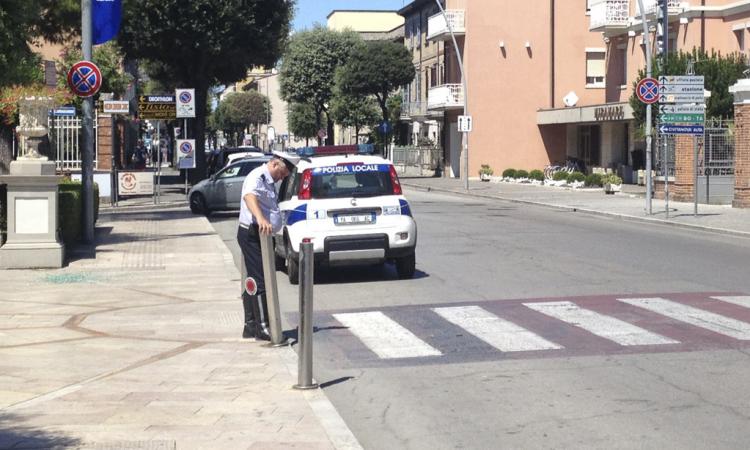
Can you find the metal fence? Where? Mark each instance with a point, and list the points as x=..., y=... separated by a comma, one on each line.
x=422, y=157
x=65, y=139
x=715, y=150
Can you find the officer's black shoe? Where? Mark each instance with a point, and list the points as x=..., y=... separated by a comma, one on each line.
x=250, y=330
x=261, y=332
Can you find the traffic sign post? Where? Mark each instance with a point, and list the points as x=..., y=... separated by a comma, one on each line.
x=683, y=118
x=647, y=90
x=84, y=79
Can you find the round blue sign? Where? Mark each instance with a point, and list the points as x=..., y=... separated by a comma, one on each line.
x=84, y=78
x=186, y=148
x=185, y=97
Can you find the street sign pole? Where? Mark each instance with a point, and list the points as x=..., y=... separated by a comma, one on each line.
x=695, y=175
x=647, y=48
x=87, y=156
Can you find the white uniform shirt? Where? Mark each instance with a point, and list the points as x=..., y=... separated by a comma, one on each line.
x=260, y=183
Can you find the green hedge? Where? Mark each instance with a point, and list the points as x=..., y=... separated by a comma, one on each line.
x=593, y=179
x=70, y=206
x=536, y=174
x=560, y=176
x=520, y=173
x=509, y=173
x=576, y=177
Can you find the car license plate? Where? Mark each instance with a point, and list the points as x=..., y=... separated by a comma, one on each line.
x=353, y=219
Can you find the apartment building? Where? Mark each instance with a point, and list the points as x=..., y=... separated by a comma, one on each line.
x=425, y=125
x=551, y=79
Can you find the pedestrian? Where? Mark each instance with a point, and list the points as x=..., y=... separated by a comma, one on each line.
x=259, y=214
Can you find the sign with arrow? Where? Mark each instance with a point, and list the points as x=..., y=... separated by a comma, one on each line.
x=682, y=118
x=682, y=109
x=681, y=129
x=681, y=89
x=681, y=98
x=682, y=79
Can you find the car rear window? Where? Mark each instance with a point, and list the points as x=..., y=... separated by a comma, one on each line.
x=351, y=180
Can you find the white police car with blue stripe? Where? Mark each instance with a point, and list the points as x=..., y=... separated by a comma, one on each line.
x=349, y=204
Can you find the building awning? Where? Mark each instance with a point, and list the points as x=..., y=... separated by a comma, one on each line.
x=608, y=112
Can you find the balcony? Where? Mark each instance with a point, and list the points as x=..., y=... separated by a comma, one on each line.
x=413, y=109
x=609, y=15
x=444, y=97
x=437, y=27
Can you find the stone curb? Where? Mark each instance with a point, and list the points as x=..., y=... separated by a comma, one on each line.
x=594, y=212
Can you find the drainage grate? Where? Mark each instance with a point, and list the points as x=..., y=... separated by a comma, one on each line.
x=69, y=278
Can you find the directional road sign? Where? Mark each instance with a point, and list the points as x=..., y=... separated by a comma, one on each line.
x=681, y=89
x=647, y=90
x=681, y=129
x=682, y=118
x=682, y=109
x=681, y=79
x=681, y=98
x=64, y=111
x=84, y=78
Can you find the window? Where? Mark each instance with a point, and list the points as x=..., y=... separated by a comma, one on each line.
x=595, y=67
x=433, y=75
x=622, y=53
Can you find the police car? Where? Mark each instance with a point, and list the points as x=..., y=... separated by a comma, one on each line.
x=348, y=202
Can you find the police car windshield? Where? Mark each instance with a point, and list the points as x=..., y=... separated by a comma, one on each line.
x=351, y=180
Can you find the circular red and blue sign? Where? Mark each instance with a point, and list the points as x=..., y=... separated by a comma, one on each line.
x=185, y=97
x=647, y=90
x=84, y=78
x=186, y=148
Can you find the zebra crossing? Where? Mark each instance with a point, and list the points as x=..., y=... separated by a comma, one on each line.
x=539, y=328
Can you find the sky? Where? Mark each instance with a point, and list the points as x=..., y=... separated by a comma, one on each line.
x=310, y=12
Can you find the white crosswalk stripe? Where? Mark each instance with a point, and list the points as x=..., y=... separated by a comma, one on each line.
x=384, y=336
x=739, y=300
x=601, y=325
x=694, y=316
x=499, y=333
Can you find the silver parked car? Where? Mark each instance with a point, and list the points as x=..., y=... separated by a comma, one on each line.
x=223, y=190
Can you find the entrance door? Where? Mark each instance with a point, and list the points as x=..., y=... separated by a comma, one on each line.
x=589, y=144
x=454, y=141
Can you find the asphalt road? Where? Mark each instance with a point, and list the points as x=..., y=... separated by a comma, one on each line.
x=638, y=378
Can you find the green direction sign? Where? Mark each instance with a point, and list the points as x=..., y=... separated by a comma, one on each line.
x=682, y=118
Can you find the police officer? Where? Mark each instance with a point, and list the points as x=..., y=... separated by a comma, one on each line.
x=259, y=214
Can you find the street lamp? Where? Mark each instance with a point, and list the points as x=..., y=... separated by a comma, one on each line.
x=464, y=134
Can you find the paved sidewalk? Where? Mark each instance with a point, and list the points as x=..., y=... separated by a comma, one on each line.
x=629, y=204
x=139, y=348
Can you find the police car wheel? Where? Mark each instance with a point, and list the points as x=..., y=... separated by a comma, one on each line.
x=406, y=266
x=292, y=266
x=198, y=204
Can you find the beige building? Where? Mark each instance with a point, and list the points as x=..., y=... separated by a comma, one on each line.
x=551, y=79
x=370, y=25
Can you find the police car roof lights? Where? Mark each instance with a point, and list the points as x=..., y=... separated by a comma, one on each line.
x=327, y=150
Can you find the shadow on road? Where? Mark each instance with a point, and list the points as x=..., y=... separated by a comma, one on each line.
x=14, y=435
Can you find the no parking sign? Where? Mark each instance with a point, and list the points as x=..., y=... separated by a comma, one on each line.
x=185, y=153
x=185, y=103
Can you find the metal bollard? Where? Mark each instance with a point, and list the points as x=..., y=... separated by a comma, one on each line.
x=304, y=366
x=272, y=292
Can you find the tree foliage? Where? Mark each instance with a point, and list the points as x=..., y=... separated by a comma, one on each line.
x=303, y=121
x=376, y=68
x=309, y=66
x=719, y=73
x=202, y=43
x=356, y=112
x=241, y=110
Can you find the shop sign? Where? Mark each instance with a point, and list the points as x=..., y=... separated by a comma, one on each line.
x=607, y=113
x=136, y=183
x=158, y=107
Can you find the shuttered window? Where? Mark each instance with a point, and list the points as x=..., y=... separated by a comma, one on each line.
x=595, y=68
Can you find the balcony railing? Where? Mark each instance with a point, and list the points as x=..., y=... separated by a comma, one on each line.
x=673, y=6
x=413, y=109
x=437, y=26
x=446, y=96
x=608, y=14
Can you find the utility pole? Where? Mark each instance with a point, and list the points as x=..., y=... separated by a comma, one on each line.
x=87, y=155
x=464, y=135
x=662, y=39
x=647, y=47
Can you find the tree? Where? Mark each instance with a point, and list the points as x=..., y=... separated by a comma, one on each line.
x=202, y=43
x=356, y=112
x=376, y=68
x=303, y=121
x=240, y=110
x=309, y=66
x=719, y=73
